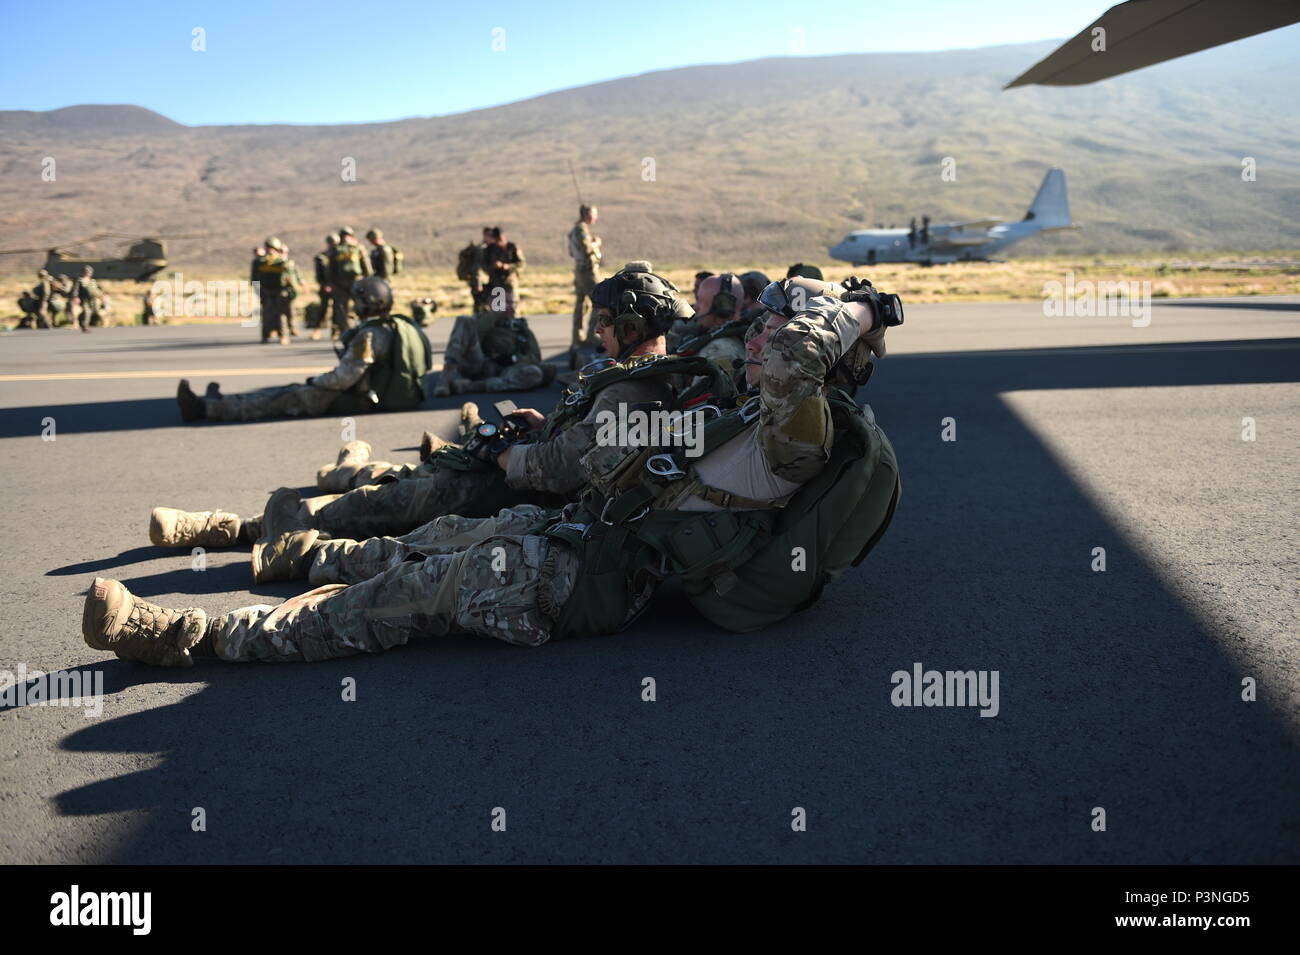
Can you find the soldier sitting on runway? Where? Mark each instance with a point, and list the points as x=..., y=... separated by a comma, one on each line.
x=383, y=363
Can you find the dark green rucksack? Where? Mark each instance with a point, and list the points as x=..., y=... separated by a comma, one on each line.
x=399, y=382
x=830, y=525
x=743, y=570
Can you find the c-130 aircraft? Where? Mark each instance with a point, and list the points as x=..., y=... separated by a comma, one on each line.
x=972, y=241
x=1133, y=35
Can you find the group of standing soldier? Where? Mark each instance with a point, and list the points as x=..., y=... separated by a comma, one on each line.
x=55, y=299
x=341, y=264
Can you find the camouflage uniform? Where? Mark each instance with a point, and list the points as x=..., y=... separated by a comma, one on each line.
x=391, y=499
x=59, y=302
x=491, y=352
x=148, y=311
x=723, y=346
x=321, y=267
x=469, y=263
x=456, y=588
x=494, y=258
x=36, y=303
x=683, y=330
x=316, y=396
x=410, y=497
x=348, y=262
x=586, y=273
x=381, y=261
x=87, y=294
x=279, y=284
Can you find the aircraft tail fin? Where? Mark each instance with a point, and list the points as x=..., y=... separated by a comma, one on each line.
x=1051, y=207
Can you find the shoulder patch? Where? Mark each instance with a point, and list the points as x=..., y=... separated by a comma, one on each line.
x=811, y=422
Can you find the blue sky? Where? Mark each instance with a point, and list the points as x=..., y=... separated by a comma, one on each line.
x=375, y=60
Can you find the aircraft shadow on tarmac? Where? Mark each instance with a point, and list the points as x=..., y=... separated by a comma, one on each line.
x=1112, y=694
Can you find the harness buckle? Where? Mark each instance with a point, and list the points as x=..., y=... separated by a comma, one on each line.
x=595, y=366
x=750, y=409
x=635, y=517
x=664, y=466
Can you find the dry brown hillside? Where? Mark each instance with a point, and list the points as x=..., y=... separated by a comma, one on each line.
x=769, y=160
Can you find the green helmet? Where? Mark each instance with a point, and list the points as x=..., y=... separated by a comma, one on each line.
x=274, y=243
x=346, y=230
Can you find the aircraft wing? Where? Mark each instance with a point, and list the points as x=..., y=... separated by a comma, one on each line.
x=958, y=239
x=976, y=223
x=1144, y=32
x=955, y=235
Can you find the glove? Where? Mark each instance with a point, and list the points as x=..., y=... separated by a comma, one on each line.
x=886, y=311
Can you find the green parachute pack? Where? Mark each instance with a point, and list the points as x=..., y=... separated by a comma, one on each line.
x=399, y=381
x=692, y=346
x=742, y=569
x=714, y=387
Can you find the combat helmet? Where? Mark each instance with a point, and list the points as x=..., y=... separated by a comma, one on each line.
x=754, y=282
x=801, y=270
x=372, y=295
x=274, y=243
x=640, y=301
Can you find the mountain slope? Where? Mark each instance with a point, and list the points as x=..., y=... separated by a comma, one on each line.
x=769, y=159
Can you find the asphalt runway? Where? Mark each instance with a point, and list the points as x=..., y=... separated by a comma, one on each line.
x=1119, y=690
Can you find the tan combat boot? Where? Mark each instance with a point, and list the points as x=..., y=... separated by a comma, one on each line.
x=169, y=527
x=285, y=557
x=337, y=478
x=114, y=619
x=429, y=443
x=281, y=552
x=469, y=419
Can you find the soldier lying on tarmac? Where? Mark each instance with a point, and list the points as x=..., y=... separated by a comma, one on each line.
x=540, y=464
x=789, y=491
x=383, y=364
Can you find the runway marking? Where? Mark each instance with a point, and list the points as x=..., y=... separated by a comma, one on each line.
x=192, y=373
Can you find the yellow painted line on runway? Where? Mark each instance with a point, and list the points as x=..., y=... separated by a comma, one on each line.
x=211, y=373
x=193, y=373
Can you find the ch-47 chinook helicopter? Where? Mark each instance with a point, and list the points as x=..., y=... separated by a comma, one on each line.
x=145, y=257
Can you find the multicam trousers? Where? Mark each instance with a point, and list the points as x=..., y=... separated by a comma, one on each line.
x=396, y=507
x=485, y=577
x=293, y=401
